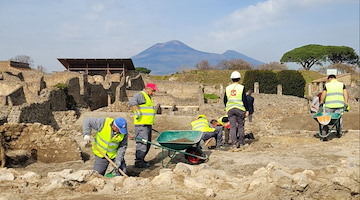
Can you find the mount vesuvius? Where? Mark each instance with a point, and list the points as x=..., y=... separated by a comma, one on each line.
x=169, y=57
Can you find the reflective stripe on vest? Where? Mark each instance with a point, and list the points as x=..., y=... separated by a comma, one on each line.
x=201, y=125
x=105, y=143
x=334, y=94
x=234, y=97
x=147, y=111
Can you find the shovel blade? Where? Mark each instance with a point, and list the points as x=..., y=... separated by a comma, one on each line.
x=324, y=120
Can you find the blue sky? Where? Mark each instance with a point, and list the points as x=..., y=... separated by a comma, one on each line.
x=264, y=30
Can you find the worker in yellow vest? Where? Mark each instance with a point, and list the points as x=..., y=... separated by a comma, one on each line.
x=201, y=124
x=334, y=97
x=110, y=138
x=237, y=109
x=225, y=123
x=144, y=118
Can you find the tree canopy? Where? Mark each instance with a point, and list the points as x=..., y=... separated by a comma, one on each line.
x=311, y=54
x=235, y=64
x=342, y=54
x=306, y=56
x=273, y=66
x=142, y=70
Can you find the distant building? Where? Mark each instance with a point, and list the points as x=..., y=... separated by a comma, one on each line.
x=332, y=71
x=335, y=71
x=98, y=66
x=15, y=65
x=317, y=85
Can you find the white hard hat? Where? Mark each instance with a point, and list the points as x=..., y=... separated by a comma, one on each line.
x=235, y=74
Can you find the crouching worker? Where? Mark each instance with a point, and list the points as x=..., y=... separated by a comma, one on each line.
x=225, y=123
x=201, y=124
x=110, y=140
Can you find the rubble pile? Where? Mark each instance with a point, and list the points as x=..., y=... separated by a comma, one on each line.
x=199, y=182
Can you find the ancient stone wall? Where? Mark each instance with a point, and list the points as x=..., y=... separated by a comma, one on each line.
x=17, y=97
x=179, y=94
x=40, y=112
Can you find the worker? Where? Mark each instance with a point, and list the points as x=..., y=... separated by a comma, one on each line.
x=335, y=97
x=237, y=109
x=250, y=102
x=225, y=123
x=201, y=124
x=315, y=103
x=144, y=117
x=110, y=138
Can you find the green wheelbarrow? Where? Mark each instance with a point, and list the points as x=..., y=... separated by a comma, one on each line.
x=185, y=142
x=326, y=127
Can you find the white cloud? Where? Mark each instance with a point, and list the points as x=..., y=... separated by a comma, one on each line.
x=264, y=14
x=69, y=31
x=95, y=11
x=98, y=8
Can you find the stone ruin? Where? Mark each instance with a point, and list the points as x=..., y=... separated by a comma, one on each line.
x=31, y=101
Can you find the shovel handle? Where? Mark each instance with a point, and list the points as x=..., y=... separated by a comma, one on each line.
x=110, y=161
x=155, y=130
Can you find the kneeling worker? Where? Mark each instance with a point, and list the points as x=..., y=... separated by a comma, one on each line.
x=110, y=140
x=201, y=124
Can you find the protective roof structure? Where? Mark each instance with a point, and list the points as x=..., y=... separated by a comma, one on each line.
x=94, y=66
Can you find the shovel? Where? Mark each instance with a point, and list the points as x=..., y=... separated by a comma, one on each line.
x=110, y=161
x=324, y=119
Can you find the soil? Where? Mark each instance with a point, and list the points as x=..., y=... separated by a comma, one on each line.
x=283, y=147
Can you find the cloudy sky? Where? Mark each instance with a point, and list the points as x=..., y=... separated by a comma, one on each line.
x=264, y=30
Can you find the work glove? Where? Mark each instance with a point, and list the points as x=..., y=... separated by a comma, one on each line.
x=137, y=114
x=87, y=140
x=347, y=108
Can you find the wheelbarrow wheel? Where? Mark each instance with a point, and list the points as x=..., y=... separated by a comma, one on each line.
x=192, y=159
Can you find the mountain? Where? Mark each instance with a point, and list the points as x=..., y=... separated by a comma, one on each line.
x=169, y=57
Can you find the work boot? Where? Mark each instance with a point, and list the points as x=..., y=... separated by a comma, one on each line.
x=250, y=136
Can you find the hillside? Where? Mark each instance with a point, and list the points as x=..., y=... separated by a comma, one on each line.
x=172, y=56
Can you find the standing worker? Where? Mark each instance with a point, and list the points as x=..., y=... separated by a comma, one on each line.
x=110, y=140
x=144, y=117
x=250, y=102
x=335, y=97
x=237, y=109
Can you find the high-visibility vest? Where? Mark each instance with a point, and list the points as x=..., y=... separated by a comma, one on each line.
x=201, y=125
x=234, y=97
x=104, y=141
x=220, y=120
x=334, y=94
x=147, y=112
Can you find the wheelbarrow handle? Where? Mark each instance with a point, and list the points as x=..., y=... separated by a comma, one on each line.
x=155, y=130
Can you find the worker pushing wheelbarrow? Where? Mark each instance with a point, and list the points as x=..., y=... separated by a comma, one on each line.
x=185, y=142
x=329, y=123
x=335, y=96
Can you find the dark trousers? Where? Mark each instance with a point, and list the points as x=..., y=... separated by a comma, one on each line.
x=237, y=121
x=217, y=134
x=144, y=132
x=101, y=164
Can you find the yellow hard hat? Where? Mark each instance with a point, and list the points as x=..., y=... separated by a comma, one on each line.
x=201, y=116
